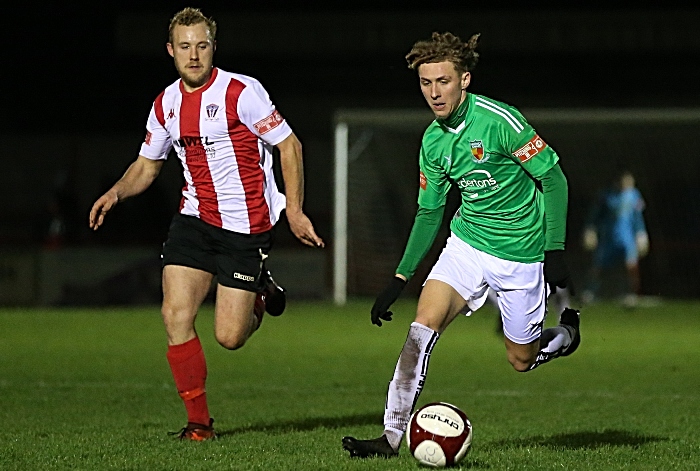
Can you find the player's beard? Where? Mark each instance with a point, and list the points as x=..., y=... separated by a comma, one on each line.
x=192, y=80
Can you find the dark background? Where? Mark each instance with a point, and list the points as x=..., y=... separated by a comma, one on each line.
x=75, y=76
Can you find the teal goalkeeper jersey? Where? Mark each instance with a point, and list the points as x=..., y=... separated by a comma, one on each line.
x=493, y=156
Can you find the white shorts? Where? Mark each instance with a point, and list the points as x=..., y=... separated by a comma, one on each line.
x=520, y=287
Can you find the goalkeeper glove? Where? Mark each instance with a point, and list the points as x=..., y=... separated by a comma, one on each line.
x=556, y=273
x=642, y=240
x=590, y=239
x=386, y=298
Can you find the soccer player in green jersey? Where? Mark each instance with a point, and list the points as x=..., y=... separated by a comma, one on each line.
x=508, y=234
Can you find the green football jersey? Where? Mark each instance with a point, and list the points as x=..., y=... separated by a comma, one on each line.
x=489, y=151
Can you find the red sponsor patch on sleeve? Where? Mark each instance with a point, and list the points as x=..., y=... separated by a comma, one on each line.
x=530, y=149
x=148, y=138
x=423, y=181
x=269, y=123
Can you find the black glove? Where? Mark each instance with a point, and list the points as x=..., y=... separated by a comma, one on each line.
x=556, y=273
x=385, y=299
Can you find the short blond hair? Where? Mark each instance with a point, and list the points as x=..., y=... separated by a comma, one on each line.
x=191, y=16
x=445, y=47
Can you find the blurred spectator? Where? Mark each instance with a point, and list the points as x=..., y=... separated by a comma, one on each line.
x=615, y=232
x=61, y=220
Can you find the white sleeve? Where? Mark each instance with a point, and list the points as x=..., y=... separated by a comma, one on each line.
x=157, y=143
x=257, y=112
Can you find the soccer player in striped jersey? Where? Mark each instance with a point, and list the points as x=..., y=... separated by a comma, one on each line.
x=508, y=234
x=223, y=128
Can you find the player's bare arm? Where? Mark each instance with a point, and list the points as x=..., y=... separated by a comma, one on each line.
x=137, y=178
x=293, y=174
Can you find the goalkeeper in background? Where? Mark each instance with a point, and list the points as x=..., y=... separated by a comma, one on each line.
x=508, y=234
x=616, y=232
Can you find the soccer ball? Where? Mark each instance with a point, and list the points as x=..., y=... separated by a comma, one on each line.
x=439, y=434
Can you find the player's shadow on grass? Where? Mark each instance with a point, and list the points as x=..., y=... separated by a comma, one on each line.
x=585, y=440
x=567, y=441
x=304, y=425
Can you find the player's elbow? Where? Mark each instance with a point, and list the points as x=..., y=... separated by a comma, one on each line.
x=291, y=146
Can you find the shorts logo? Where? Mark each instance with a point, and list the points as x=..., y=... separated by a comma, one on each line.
x=211, y=112
x=240, y=276
x=269, y=123
x=423, y=181
x=530, y=149
x=148, y=138
x=477, y=150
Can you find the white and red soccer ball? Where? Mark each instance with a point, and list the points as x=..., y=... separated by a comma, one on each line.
x=439, y=434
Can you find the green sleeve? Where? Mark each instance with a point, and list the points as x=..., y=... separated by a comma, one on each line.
x=556, y=199
x=425, y=229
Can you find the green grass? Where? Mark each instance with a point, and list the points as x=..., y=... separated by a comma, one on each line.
x=91, y=389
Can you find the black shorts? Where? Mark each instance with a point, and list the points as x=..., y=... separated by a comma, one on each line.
x=236, y=259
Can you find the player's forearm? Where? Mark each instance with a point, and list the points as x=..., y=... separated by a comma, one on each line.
x=425, y=229
x=292, y=173
x=556, y=200
x=137, y=178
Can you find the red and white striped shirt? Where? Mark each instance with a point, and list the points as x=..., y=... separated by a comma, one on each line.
x=223, y=134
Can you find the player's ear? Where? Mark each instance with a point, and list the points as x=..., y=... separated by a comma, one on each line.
x=169, y=47
x=466, y=80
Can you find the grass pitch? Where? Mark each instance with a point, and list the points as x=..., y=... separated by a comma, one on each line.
x=91, y=389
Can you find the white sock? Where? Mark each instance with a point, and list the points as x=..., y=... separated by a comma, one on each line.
x=553, y=342
x=407, y=383
x=394, y=437
x=554, y=339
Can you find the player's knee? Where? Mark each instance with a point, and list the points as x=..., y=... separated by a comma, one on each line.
x=429, y=323
x=231, y=341
x=168, y=312
x=520, y=363
x=430, y=319
x=522, y=367
x=176, y=319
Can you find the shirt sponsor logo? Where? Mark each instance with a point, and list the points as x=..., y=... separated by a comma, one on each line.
x=243, y=277
x=148, y=138
x=423, y=181
x=477, y=150
x=530, y=149
x=171, y=114
x=269, y=123
x=475, y=181
x=194, y=148
x=211, y=112
x=193, y=141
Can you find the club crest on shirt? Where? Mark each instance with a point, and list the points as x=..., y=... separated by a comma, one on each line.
x=478, y=154
x=211, y=112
